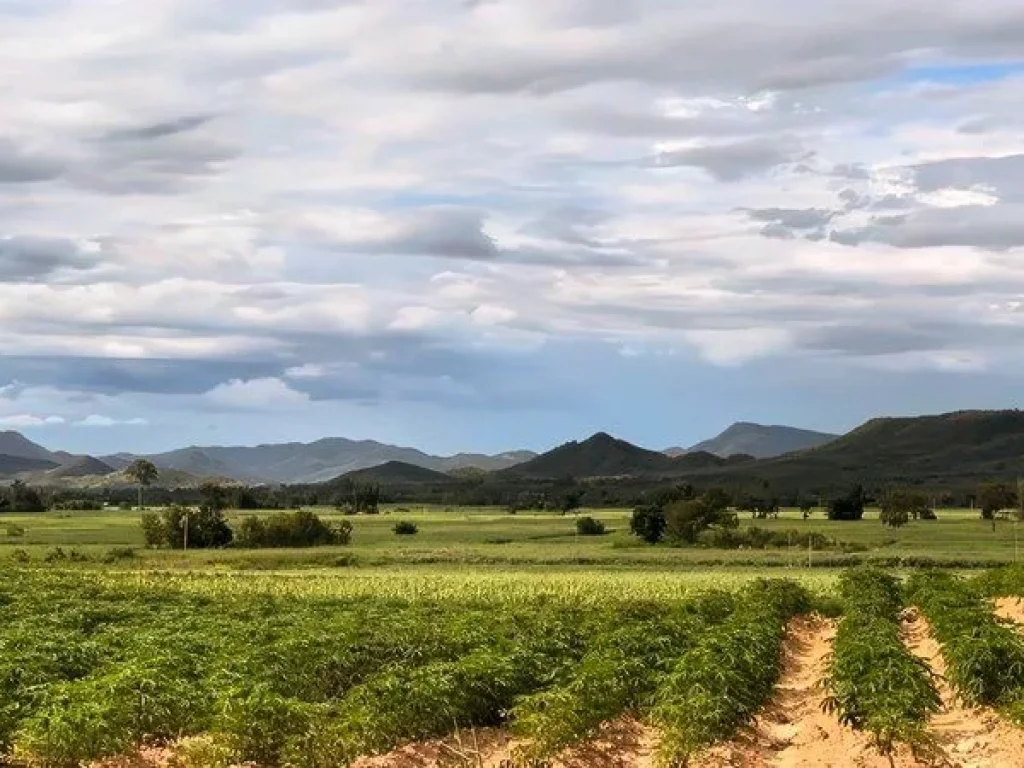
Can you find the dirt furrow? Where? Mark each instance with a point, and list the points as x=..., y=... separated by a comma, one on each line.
x=794, y=731
x=969, y=737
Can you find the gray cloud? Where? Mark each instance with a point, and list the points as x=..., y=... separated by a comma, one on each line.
x=732, y=162
x=992, y=227
x=28, y=258
x=1004, y=175
x=18, y=166
x=159, y=130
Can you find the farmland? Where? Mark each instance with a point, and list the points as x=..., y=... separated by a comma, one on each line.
x=487, y=637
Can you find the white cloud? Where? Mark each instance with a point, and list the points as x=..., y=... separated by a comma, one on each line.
x=24, y=420
x=256, y=394
x=97, y=420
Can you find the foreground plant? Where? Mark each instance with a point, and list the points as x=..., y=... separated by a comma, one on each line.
x=718, y=684
x=984, y=657
x=874, y=683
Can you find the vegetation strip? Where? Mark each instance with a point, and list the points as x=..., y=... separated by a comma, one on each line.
x=984, y=657
x=874, y=683
x=617, y=674
x=717, y=685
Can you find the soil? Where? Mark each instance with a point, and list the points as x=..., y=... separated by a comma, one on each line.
x=1011, y=609
x=794, y=731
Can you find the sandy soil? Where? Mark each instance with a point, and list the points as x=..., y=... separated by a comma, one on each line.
x=624, y=743
x=1011, y=608
x=793, y=731
x=969, y=737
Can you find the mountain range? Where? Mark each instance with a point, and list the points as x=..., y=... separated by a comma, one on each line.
x=963, y=447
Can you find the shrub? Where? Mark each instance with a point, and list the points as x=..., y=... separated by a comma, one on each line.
x=117, y=554
x=78, y=505
x=588, y=526
x=207, y=528
x=15, y=531
x=405, y=528
x=301, y=528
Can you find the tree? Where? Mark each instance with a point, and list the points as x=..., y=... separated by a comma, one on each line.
x=144, y=473
x=995, y=499
x=22, y=498
x=900, y=506
x=648, y=522
x=572, y=501
x=588, y=526
x=685, y=520
x=848, y=507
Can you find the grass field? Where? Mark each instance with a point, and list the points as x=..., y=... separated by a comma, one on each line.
x=490, y=537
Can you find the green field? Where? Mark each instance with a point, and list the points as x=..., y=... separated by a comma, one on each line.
x=312, y=658
x=490, y=537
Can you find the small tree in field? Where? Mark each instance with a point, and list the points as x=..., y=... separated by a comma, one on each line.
x=648, y=522
x=144, y=473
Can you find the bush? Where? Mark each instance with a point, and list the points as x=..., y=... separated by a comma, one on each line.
x=291, y=529
x=405, y=528
x=848, y=507
x=118, y=554
x=588, y=526
x=207, y=528
x=14, y=531
x=78, y=505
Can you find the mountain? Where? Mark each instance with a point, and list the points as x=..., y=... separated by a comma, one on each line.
x=15, y=465
x=397, y=473
x=760, y=441
x=599, y=456
x=958, y=449
x=18, y=446
x=80, y=466
x=315, y=462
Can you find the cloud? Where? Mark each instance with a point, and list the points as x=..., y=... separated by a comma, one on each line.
x=731, y=162
x=96, y=420
x=255, y=394
x=28, y=258
x=264, y=211
x=27, y=420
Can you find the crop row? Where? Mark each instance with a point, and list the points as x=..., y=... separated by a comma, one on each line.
x=984, y=657
x=873, y=682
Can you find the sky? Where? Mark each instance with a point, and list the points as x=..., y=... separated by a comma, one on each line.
x=494, y=224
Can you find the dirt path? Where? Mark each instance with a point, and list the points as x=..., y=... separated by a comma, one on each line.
x=970, y=737
x=624, y=743
x=793, y=731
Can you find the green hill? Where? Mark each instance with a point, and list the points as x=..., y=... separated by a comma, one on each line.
x=599, y=456
x=397, y=473
x=947, y=450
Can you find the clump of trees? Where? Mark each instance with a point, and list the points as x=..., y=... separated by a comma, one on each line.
x=899, y=506
x=21, y=498
x=298, y=529
x=182, y=527
x=681, y=517
x=354, y=498
x=849, y=506
x=999, y=501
